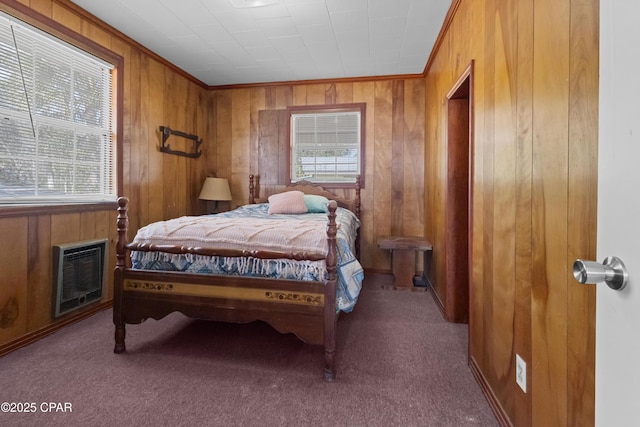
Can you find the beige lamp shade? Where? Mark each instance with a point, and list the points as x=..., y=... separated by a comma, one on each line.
x=215, y=189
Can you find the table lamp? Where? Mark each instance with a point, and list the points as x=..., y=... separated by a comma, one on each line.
x=215, y=189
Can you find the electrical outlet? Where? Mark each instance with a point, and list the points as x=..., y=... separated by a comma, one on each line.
x=521, y=373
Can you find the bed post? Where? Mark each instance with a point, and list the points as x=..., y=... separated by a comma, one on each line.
x=356, y=209
x=252, y=198
x=357, y=204
x=121, y=243
x=330, y=316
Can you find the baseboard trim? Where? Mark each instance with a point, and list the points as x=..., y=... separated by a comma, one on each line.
x=497, y=409
x=34, y=336
x=436, y=299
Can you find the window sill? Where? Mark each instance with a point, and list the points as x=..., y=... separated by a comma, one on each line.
x=25, y=210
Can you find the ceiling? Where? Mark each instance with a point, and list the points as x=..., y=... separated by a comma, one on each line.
x=223, y=42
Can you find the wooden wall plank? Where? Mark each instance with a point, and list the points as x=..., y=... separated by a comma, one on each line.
x=139, y=166
x=284, y=97
x=383, y=146
x=224, y=133
x=582, y=208
x=330, y=96
x=44, y=7
x=344, y=93
x=241, y=148
x=95, y=33
x=170, y=167
x=523, y=231
x=13, y=288
x=156, y=178
x=268, y=141
x=40, y=289
x=258, y=103
x=487, y=147
x=300, y=95
x=365, y=92
x=397, y=157
x=67, y=18
x=550, y=171
x=283, y=147
x=88, y=225
x=504, y=199
x=413, y=217
x=315, y=94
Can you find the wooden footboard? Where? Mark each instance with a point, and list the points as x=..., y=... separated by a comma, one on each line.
x=306, y=309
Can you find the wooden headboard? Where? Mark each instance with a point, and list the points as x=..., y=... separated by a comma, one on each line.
x=310, y=188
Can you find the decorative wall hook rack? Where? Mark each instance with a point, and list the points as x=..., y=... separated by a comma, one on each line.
x=165, y=148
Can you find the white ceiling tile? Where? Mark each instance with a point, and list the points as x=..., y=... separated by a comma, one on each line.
x=357, y=69
x=264, y=53
x=271, y=11
x=304, y=14
x=343, y=22
x=295, y=2
x=326, y=52
x=347, y=5
x=354, y=44
x=412, y=64
x=412, y=46
x=316, y=33
x=228, y=48
x=216, y=6
x=387, y=27
x=431, y=12
x=294, y=39
x=191, y=44
x=250, y=39
x=291, y=49
x=290, y=43
x=387, y=8
x=237, y=21
x=158, y=17
x=189, y=12
x=213, y=59
x=386, y=43
x=387, y=56
x=278, y=27
x=213, y=33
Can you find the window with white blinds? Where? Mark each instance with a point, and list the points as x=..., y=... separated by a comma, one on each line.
x=56, y=139
x=326, y=146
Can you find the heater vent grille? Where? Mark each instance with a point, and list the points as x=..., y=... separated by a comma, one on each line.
x=79, y=274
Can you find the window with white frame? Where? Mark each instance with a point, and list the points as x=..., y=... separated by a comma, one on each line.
x=56, y=138
x=326, y=144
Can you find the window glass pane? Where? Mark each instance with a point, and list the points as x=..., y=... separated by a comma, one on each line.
x=56, y=139
x=326, y=146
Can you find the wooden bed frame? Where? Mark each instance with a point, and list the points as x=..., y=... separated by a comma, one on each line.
x=306, y=309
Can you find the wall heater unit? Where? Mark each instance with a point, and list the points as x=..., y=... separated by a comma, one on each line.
x=79, y=274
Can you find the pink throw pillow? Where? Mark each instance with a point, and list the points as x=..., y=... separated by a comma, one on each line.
x=289, y=202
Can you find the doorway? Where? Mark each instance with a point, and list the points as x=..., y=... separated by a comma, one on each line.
x=458, y=197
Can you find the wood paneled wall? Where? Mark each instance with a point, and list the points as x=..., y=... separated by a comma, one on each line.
x=159, y=185
x=392, y=200
x=534, y=180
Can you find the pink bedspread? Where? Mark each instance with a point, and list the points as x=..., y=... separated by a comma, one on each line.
x=282, y=235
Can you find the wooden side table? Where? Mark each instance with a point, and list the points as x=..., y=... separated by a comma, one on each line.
x=403, y=259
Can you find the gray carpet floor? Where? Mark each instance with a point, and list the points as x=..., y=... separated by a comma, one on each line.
x=399, y=363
